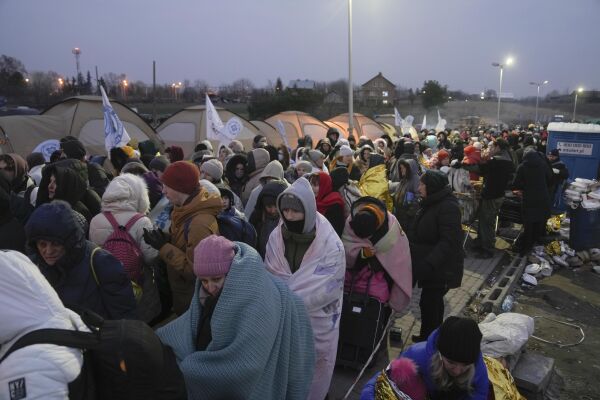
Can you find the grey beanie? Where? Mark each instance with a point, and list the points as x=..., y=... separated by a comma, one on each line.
x=160, y=163
x=212, y=167
x=289, y=201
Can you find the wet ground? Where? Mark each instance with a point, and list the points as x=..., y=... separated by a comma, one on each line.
x=571, y=296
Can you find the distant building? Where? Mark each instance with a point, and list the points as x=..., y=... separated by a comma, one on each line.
x=378, y=90
x=302, y=84
x=333, y=98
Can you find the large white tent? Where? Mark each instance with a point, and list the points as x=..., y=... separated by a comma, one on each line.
x=80, y=116
x=299, y=124
x=187, y=127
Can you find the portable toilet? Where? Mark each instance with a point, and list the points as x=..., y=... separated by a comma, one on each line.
x=579, y=147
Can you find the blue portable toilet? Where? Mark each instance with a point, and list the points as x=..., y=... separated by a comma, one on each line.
x=579, y=147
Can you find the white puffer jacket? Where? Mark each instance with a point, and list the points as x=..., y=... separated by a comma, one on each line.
x=125, y=195
x=28, y=303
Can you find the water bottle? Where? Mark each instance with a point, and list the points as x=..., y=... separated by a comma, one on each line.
x=508, y=303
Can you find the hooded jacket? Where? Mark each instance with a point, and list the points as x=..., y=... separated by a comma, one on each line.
x=70, y=187
x=257, y=161
x=436, y=238
x=21, y=181
x=318, y=280
x=273, y=170
x=263, y=223
x=330, y=203
x=236, y=184
x=125, y=196
x=28, y=303
x=110, y=296
x=190, y=223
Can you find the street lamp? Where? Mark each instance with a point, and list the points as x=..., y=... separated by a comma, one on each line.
x=579, y=90
x=508, y=62
x=537, y=97
x=125, y=84
x=350, y=89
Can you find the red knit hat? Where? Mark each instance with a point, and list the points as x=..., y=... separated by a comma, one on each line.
x=442, y=155
x=213, y=256
x=181, y=176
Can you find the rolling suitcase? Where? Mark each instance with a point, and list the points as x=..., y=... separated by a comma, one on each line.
x=362, y=324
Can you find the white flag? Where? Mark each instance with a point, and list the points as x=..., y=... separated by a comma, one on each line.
x=397, y=117
x=281, y=129
x=115, y=134
x=424, y=124
x=214, y=125
x=441, y=124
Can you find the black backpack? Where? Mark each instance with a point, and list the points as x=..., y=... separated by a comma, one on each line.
x=123, y=359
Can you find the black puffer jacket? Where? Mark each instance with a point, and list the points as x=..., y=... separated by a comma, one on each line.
x=533, y=178
x=436, y=237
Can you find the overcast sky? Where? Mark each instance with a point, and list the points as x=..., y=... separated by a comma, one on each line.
x=219, y=41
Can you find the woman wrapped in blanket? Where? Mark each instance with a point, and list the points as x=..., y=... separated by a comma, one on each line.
x=245, y=334
x=308, y=255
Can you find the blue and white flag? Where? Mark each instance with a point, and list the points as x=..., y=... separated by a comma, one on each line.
x=115, y=134
x=397, y=117
x=47, y=147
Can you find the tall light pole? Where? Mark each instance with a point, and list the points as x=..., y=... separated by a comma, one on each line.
x=537, y=97
x=508, y=62
x=579, y=90
x=350, y=89
x=77, y=51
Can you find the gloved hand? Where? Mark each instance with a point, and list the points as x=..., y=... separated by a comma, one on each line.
x=156, y=238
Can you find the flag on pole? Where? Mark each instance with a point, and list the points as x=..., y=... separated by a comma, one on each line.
x=397, y=117
x=115, y=134
x=281, y=129
x=424, y=124
x=214, y=125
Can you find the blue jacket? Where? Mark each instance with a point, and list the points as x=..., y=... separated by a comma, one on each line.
x=110, y=296
x=421, y=354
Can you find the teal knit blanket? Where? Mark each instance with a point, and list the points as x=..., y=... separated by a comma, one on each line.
x=262, y=343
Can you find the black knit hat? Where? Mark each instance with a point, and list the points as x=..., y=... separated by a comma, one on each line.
x=339, y=176
x=364, y=224
x=459, y=340
x=73, y=148
x=434, y=181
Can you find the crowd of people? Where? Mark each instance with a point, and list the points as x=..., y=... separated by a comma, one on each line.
x=240, y=258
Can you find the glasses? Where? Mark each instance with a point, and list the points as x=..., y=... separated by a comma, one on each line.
x=9, y=169
x=239, y=168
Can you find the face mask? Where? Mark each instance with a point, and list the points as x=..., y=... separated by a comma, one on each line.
x=280, y=157
x=294, y=226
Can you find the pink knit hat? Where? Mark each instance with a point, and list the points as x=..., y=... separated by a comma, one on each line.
x=213, y=256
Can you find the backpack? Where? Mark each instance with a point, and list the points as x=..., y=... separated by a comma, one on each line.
x=122, y=359
x=232, y=228
x=123, y=246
